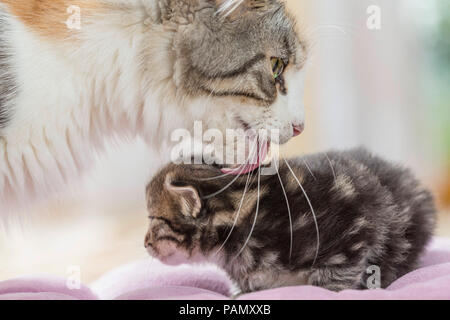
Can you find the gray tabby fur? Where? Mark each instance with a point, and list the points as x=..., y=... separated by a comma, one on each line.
x=226, y=55
x=369, y=212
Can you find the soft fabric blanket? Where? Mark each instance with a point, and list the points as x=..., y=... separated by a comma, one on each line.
x=149, y=279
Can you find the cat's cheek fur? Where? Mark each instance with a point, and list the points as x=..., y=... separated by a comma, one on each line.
x=295, y=97
x=276, y=119
x=283, y=113
x=288, y=110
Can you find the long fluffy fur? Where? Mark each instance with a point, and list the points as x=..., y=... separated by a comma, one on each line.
x=115, y=76
x=75, y=92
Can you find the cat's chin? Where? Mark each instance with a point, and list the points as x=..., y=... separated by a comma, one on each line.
x=167, y=254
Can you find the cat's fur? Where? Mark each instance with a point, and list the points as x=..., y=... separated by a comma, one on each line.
x=136, y=67
x=369, y=213
x=7, y=82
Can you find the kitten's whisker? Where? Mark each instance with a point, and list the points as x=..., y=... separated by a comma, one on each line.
x=331, y=165
x=289, y=211
x=309, y=169
x=312, y=211
x=237, y=215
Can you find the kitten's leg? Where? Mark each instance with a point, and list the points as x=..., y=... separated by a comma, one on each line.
x=258, y=280
x=337, y=278
x=263, y=279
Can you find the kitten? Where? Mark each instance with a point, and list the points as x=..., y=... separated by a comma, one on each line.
x=76, y=71
x=324, y=221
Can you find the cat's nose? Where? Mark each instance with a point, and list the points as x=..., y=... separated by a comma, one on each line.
x=297, y=128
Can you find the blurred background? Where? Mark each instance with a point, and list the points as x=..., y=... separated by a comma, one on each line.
x=380, y=83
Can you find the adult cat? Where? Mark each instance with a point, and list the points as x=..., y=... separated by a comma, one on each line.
x=143, y=67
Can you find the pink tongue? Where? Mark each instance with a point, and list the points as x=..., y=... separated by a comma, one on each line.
x=253, y=162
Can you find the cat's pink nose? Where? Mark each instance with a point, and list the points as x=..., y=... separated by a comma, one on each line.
x=298, y=129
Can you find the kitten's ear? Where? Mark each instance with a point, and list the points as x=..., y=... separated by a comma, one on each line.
x=187, y=197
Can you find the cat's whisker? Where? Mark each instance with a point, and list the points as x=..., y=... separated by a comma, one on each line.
x=317, y=34
x=348, y=31
x=289, y=212
x=237, y=215
x=218, y=177
x=256, y=217
x=312, y=211
x=331, y=165
x=242, y=168
x=229, y=174
x=309, y=169
x=212, y=195
x=313, y=57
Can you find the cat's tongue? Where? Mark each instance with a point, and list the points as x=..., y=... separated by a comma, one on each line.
x=255, y=159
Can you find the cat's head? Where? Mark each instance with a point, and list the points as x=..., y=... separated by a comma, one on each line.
x=238, y=64
x=186, y=224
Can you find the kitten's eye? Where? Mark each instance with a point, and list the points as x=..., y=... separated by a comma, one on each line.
x=277, y=67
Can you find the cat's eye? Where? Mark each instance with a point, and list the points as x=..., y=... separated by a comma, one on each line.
x=278, y=66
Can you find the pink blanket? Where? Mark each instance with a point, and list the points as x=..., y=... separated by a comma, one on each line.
x=149, y=279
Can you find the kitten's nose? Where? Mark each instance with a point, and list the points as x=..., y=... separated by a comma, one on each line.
x=298, y=128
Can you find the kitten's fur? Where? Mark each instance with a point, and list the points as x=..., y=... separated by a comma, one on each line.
x=135, y=67
x=368, y=211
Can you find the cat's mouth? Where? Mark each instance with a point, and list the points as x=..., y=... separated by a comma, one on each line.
x=167, y=250
x=256, y=150
x=255, y=155
x=164, y=243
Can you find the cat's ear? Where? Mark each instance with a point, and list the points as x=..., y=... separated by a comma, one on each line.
x=186, y=195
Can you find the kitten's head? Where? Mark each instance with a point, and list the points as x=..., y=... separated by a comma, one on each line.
x=184, y=223
x=238, y=64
